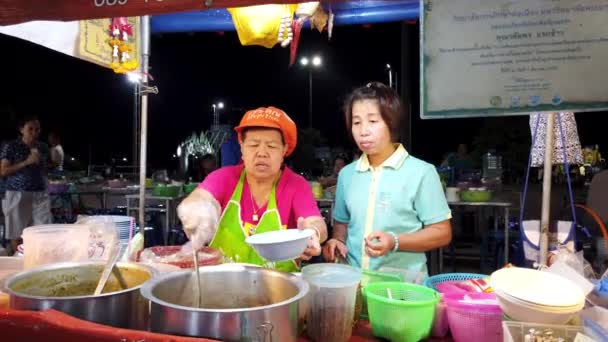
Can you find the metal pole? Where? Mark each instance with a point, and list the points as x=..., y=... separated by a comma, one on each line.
x=145, y=55
x=396, y=82
x=390, y=77
x=546, y=205
x=310, y=97
x=135, y=125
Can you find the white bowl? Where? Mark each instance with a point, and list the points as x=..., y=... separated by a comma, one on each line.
x=537, y=287
x=544, y=308
x=280, y=245
x=525, y=313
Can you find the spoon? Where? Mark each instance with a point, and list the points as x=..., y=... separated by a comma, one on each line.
x=105, y=274
x=198, y=279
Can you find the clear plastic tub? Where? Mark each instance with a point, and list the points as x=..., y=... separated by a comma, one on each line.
x=51, y=243
x=516, y=331
x=331, y=301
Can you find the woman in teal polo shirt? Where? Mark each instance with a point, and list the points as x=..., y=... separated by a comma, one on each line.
x=390, y=206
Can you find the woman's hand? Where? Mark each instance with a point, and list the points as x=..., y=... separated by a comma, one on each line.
x=332, y=248
x=32, y=158
x=378, y=244
x=314, y=245
x=200, y=215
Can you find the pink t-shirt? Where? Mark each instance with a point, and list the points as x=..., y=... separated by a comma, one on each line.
x=294, y=195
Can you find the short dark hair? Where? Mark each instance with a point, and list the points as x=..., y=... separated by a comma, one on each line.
x=246, y=129
x=341, y=156
x=208, y=156
x=389, y=104
x=23, y=120
x=55, y=134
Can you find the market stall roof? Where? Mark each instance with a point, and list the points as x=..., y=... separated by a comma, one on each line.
x=346, y=13
x=208, y=15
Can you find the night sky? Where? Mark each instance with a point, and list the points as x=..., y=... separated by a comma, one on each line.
x=92, y=107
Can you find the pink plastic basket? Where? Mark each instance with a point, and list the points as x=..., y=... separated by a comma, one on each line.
x=473, y=322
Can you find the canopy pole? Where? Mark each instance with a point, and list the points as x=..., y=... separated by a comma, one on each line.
x=145, y=55
x=546, y=205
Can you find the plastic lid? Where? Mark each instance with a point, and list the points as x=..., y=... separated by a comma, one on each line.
x=331, y=275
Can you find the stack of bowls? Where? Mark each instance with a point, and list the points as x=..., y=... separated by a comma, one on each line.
x=535, y=296
x=122, y=223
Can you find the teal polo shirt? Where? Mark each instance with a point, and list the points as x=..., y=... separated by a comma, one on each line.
x=403, y=195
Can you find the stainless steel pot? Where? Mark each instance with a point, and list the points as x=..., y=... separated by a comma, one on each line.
x=238, y=303
x=60, y=286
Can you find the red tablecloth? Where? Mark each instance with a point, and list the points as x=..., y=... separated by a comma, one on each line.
x=54, y=326
x=363, y=333
x=51, y=326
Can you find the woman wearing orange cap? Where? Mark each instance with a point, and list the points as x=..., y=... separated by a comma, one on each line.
x=258, y=195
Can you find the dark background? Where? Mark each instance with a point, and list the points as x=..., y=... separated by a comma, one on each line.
x=92, y=107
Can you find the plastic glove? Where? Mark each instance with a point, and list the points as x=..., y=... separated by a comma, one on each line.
x=200, y=215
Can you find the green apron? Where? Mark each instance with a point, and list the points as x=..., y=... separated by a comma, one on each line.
x=230, y=235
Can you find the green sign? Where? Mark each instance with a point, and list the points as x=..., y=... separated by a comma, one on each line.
x=510, y=57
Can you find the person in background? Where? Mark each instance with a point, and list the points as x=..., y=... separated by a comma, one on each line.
x=206, y=165
x=230, y=150
x=256, y=196
x=390, y=207
x=23, y=164
x=332, y=179
x=459, y=161
x=57, y=154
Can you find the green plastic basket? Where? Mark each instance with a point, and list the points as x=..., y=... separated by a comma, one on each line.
x=188, y=188
x=408, y=316
x=369, y=277
x=167, y=191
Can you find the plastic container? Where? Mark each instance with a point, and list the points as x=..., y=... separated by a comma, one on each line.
x=400, y=311
x=516, y=331
x=441, y=325
x=475, y=195
x=432, y=282
x=331, y=301
x=595, y=322
x=122, y=224
x=188, y=188
x=51, y=243
x=474, y=322
x=167, y=190
x=369, y=277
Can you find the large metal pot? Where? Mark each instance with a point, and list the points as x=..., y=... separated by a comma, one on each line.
x=63, y=287
x=238, y=303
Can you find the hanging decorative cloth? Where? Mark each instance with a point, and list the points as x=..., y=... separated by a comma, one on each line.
x=264, y=25
x=571, y=144
x=561, y=233
x=319, y=19
x=122, y=48
x=304, y=11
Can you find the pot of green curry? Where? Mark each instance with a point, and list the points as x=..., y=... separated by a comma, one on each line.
x=68, y=287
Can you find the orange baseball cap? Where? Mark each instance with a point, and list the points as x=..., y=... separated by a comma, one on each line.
x=271, y=117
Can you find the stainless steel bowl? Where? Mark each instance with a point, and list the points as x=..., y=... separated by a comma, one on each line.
x=238, y=303
x=61, y=286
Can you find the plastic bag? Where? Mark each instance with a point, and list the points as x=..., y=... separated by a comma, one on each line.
x=260, y=25
x=180, y=256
